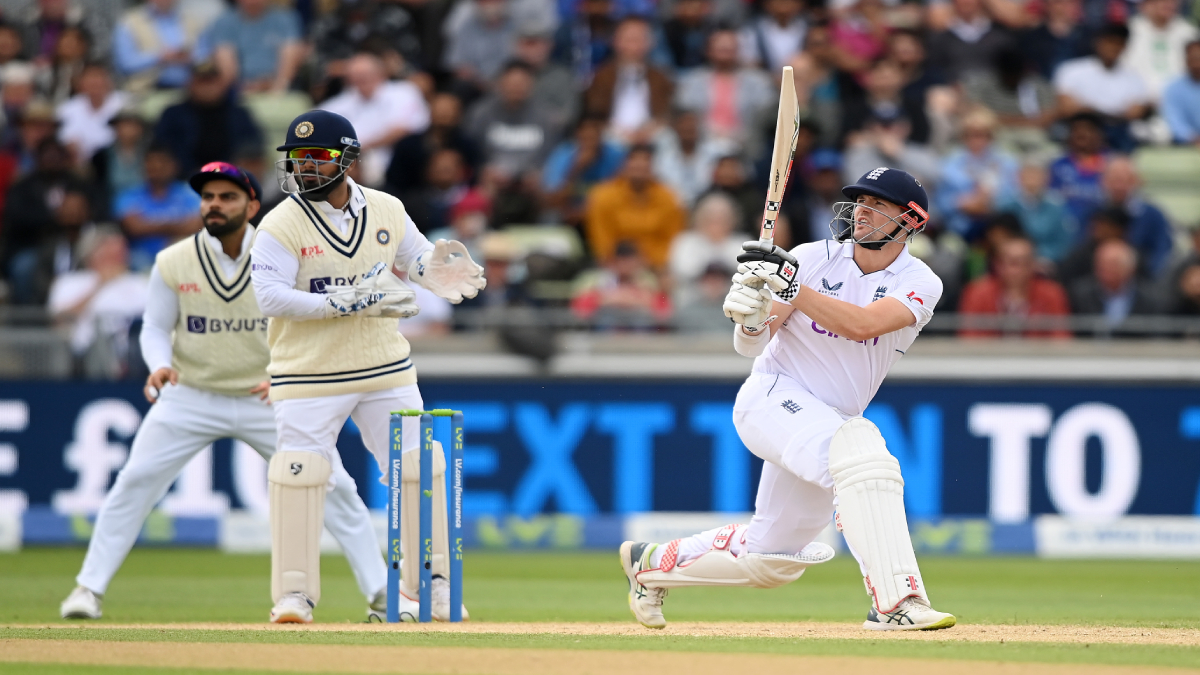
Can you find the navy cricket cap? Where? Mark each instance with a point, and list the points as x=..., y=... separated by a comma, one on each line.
x=894, y=185
x=226, y=171
x=320, y=129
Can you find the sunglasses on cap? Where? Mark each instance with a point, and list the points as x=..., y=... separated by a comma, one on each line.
x=227, y=169
x=315, y=154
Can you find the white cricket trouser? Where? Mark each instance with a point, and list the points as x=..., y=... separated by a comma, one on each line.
x=312, y=424
x=790, y=429
x=179, y=425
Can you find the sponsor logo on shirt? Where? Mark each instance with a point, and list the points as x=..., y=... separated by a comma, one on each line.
x=213, y=325
x=311, y=251
x=318, y=284
x=826, y=289
x=913, y=296
x=189, y=288
x=791, y=406
x=260, y=266
x=880, y=293
x=828, y=333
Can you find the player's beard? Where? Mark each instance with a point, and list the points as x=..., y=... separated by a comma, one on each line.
x=320, y=194
x=224, y=226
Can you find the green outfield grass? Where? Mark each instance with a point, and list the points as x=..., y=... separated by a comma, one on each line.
x=178, y=585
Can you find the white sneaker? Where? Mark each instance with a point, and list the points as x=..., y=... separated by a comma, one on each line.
x=292, y=608
x=645, y=603
x=81, y=604
x=377, y=610
x=911, y=614
x=440, y=594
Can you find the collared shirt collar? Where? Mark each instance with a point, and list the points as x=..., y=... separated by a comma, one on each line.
x=356, y=204
x=897, y=265
x=217, y=248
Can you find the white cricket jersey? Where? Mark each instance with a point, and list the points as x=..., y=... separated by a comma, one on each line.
x=841, y=372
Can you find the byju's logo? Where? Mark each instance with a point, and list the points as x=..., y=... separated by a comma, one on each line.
x=830, y=290
x=318, y=285
x=197, y=324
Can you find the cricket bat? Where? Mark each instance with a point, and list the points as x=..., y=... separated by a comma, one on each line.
x=787, y=130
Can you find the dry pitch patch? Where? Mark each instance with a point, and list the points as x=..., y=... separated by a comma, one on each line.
x=1061, y=634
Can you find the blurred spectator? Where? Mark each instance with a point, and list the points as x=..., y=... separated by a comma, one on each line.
x=481, y=45
x=29, y=217
x=1103, y=225
x=1023, y=101
x=575, y=167
x=382, y=113
x=634, y=208
x=516, y=133
x=1157, y=38
x=822, y=84
x=74, y=221
x=974, y=177
x=158, y=212
x=886, y=141
x=446, y=183
x=882, y=98
x=34, y=124
x=996, y=230
x=84, y=119
x=118, y=167
x=44, y=21
x=102, y=301
x=1181, y=100
x=729, y=178
x=554, y=87
x=623, y=293
x=907, y=50
x=771, y=39
x=684, y=160
x=18, y=79
x=686, y=32
x=698, y=305
x=970, y=42
x=56, y=79
x=1186, y=296
x=859, y=31
x=1113, y=289
x=410, y=155
x=468, y=223
x=384, y=28
x=1102, y=84
x=1076, y=175
x=808, y=205
x=154, y=45
x=713, y=239
x=209, y=125
x=1043, y=214
x=1060, y=36
x=585, y=41
x=733, y=102
x=633, y=95
x=258, y=46
x=11, y=45
x=1014, y=291
x=1149, y=232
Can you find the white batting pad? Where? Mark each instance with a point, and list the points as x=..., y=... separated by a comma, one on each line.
x=297, y=484
x=870, y=512
x=410, y=523
x=722, y=568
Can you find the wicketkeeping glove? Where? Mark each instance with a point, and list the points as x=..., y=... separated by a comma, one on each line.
x=775, y=266
x=448, y=271
x=749, y=306
x=379, y=293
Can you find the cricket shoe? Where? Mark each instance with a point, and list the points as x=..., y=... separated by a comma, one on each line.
x=292, y=608
x=440, y=603
x=377, y=610
x=645, y=603
x=81, y=604
x=911, y=614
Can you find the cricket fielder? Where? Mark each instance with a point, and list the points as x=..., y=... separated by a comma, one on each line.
x=205, y=342
x=831, y=320
x=322, y=272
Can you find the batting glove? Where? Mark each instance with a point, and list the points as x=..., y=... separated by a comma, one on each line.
x=773, y=265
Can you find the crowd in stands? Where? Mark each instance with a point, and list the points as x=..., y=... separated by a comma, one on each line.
x=636, y=132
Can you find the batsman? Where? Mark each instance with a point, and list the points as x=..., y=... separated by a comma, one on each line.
x=824, y=324
x=323, y=272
